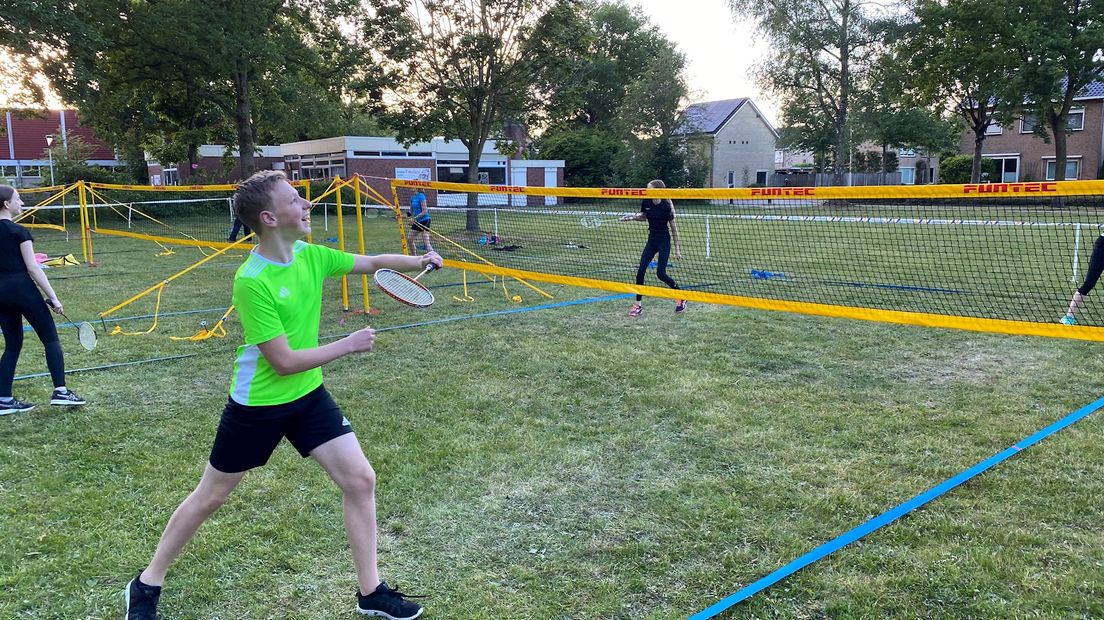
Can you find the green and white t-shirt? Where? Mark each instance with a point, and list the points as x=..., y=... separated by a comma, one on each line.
x=281, y=298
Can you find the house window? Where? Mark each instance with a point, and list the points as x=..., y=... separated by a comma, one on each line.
x=908, y=176
x=994, y=129
x=172, y=177
x=732, y=178
x=1008, y=169
x=1076, y=120
x=761, y=177
x=1073, y=169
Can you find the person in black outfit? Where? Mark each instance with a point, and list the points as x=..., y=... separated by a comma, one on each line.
x=660, y=214
x=19, y=273
x=1096, y=267
x=238, y=226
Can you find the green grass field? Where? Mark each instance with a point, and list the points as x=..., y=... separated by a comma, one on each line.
x=567, y=462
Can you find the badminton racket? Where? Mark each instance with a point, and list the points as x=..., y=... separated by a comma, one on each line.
x=86, y=334
x=404, y=289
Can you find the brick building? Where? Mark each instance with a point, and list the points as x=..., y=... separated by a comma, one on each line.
x=24, y=161
x=1021, y=155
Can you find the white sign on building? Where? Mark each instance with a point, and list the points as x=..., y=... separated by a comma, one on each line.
x=413, y=174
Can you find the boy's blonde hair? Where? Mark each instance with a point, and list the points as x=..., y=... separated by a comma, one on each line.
x=255, y=195
x=656, y=184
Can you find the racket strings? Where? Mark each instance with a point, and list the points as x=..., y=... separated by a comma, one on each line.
x=87, y=335
x=404, y=288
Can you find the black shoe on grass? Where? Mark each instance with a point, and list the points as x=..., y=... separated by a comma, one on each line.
x=14, y=405
x=141, y=600
x=67, y=398
x=388, y=603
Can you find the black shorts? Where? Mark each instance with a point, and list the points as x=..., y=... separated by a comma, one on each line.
x=248, y=434
x=420, y=226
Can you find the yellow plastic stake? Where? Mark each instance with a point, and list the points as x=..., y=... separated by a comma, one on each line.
x=465, y=296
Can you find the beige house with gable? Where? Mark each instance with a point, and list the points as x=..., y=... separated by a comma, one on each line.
x=735, y=140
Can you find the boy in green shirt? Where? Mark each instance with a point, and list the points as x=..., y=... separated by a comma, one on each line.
x=277, y=390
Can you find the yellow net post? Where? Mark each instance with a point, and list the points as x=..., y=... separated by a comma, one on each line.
x=399, y=218
x=307, y=196
x=368, y=309
x=341, y=242
x=86, y=228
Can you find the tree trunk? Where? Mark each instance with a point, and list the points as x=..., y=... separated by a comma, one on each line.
x=842, y=143
x=1061, y=151
x=243, y=120
x=193, y=160
x=979, y=142
x=475, y=149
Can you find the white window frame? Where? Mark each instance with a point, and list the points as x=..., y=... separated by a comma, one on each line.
x=1080, y=111
x=1048, y=161
x=912, y=175
x=1023, y=123
x=1003, y=156
x=994, y=129
x=171, y=176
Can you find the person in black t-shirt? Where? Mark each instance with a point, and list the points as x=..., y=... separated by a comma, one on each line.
x=19, y=273
x=660, y=214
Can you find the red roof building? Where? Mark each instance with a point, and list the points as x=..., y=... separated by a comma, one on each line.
x=23, y=158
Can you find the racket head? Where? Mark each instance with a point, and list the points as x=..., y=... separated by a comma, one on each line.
x=87, y=335
x=403, y=289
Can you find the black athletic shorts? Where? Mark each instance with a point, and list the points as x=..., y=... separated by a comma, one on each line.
x=419, y=226
x=248, y=434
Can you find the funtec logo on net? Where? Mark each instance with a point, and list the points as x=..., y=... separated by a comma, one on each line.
x=783, y=191
x=508, y=189
x=624, y=192
x=1009, y=188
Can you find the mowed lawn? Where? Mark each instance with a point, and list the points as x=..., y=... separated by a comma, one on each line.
x=565, y=462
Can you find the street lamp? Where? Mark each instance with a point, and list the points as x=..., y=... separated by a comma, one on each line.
x=49, y=142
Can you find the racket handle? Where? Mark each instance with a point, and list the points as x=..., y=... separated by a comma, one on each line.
x=428, y=268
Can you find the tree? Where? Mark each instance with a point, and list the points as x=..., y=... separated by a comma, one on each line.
x=887, y=114
x=461, y=68
x=820, y=50
x=1060, y=47
x=174, y=74
x=960, y=53
x=615, y=113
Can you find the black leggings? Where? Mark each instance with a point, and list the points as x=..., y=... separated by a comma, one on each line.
x=19, y=297
x=655, y=245
x=1096, y=266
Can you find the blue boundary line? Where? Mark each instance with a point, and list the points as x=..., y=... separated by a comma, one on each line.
x=560, y=304
x=107, y=366
x=894, y=514
x=28, y=328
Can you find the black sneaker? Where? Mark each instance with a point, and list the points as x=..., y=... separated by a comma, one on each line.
x=67, y=398
x=14, y=405
x=388, y=603
x=141, y=600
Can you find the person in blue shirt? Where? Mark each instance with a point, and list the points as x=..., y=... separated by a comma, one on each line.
x=419, y=213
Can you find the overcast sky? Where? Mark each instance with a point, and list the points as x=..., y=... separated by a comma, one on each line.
x=719, y=52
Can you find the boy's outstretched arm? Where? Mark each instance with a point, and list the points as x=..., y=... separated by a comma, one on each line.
x=398, y=262
x=287, y=361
